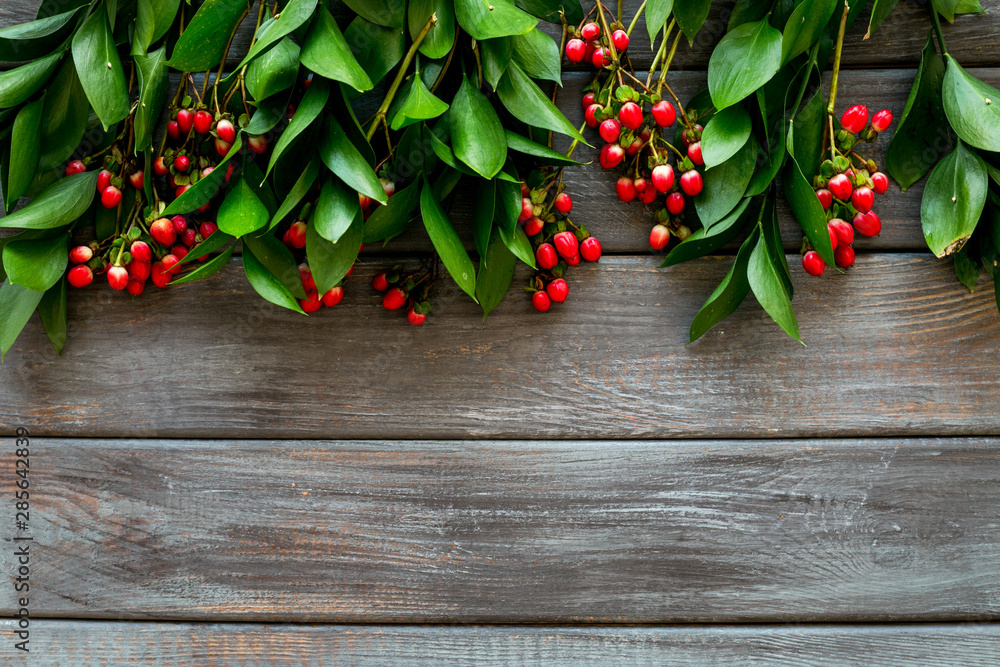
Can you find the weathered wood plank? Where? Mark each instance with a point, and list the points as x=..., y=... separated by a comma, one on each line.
x=522, y=531
x=896, y=346
x=220, y=645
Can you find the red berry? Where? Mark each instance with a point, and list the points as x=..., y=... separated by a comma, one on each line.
x=601, y=58
x=306, y=276
x=415, y=318
x=648, y=195
x=640, y=184
x=111, y=197
x=691, y=182
x=880, y=182
x=844, y=256
x=202, y=122
x=813, y=263
x=80, y=276
x=664, y=113
x=170, y=263
x=527, y=209
x=174, y=130
x=140, y=251
x=207, y=229
x=825, y=198
x=541, y=302
x=625, y=188
x=576, y=50
x=117, y=277
x=840, y=186
x=394, y=299
x=185, y=120
x=863, y=199
x=867, y=224
x=557, y=290
x=379, y=282
x=630, y=115
x=182, y=163
x=311, y=303
x=833, y=236
x=295, y=237
x=546, y=256
x=845, y=233
x=258, y=144
x=179, y=251
x=222, y=147
x=226, y=130
x=75, y=167
x=163, y=232
x=181, y=189
x=104, y=180
x=689, y=136
x=694, y=152
x=588, y=114
x=333, y=296
x=659, y=237
x=620, y=39
x=563, y=203
x=138, y=270
x=135, y=287
x=611, y=156
x=675, y=202
x=81, y=254
x=179, y=222
x=882, y=120
x=610, y=130
x=590, y=249
x=573, y=261
x=855, y=118
x=160, y=167
x=634, y=147
x=663, y=177
x=189, y=237
x=590, y=31
x=160, y=275
x=533, y=226
x=138, y=180
x=566, y=244
x=587, y=100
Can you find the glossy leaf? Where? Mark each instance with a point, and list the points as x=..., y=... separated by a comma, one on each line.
x=702, y=242
x=446, y=242
x=213, y=243
x=747, y=11
x=291, y=17
x=549, y=10
x=414, y=154
x=152, y=70
x=953, y=201
x=20, y=83
x=278, y=260
x=302, y=186
x=269, y=113
x=476, y=133
x=725, y=185
x=541, y=153
x=395, y=217
x=769, y=289
x=329, y=261
x=745, y=59
x=52, y=310
x=17, y=303
x=378, y=49
x=691, y=15
x=724, y=135
x=441, y=36
x=59, y=204
x=27, y=41
x=418, y=103
x=388, y=13
x=922, y=131
x=347, y=162
x=657, y=12
x=519, y=244
x=496, y=271
x=806, y=25
x=880, y=11
x=25, y=142
x=730, y=293
x=267, y=284
x=508, y=205
x=153, y=20
x=967, y=269
x=206, y=34
x=37, y=264
x=325, y=51
x=538, y=55
x=526, y=102
x=64, y=120
x=342, y=110
x=497, y=54
x=807, y=210
x=202, y=192
x=483, y=210
x=242, y=211
x=336, y=209
x=274, y=71
x=210, y=267
x=972, y=107
x=312, y=105
x=808, y=132
x=771, y=235
x=100, y=70
x=496, y=18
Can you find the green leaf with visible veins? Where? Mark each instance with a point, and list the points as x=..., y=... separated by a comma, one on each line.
x=953, y=201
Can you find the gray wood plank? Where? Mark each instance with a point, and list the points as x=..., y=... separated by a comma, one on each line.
x=220, y=645
x=514, y=531
x=896, y=347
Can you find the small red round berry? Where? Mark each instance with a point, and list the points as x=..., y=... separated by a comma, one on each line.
x=394, y=299
x=81, y=254
x=840, y=186
x=295, y=237
x=181, y=189
x=611, y=156
x=257, y=143
x=659, y=237
x=104, y=180
x=174, y=130
x=171, y=263
x=694, y=152
x=189, y=237
x=534, y=226
x=160, y=167
x=589, y=114
x=185, y=120
x=311, y=303
x=563, y=203
x=620, y=39
x=75, y=167
x=527, y=209
x=587, y=100
x=80, y=276
x=202, y=122
x=640, y=184
x=630, y=115
x=863, y=199
x=179, y=222
x=557, y=290
x=590, y=31
x=541, y=302
x=207, y=229
x=117, y=277
x=867, y=224
x=590, y=249
x=675, y=202
x=844, y=256
x=601, y=58
x=833, y=236
x=415, y=318
x=138, y=270
x=825, y=198
x=813, y=263
x=691, y=182
x=163, y=232
x=880, y=183
x=226, y=130
x=664, y=113
x=140, y=251
x=379, y=282
x=855, y=118
x=306, y=276
x=179, y=251
x=845, y=233
x=691, y=135
x=566, y=244
x=135, y=287
x=333, y=296
x=882, y=120
x=182, y=163
x=625, y=187
x=138, y=179
x=648, y=195
x=111, y=197
x=546, y=256
x=160, y=275
x=222, y=147
x=663, y=177
x=576, y=50
x=610, y=130
x=634, y=147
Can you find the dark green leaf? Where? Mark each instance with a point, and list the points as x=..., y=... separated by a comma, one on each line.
x=769, y=289
x=691, y=15
x=255, y=179
x=807, y=210
x=544, y=154
x=329, y=261
x=526, y=102
x=538, y=55
x=414, y=154
x=724, y=135
x=269, y=113
x=657, y=12
x=293, y=15
x=347, y=162
x=34, y=39
x=772, y=240
x=377, y=49
x=441, y=36
x=65, y=117
x=806, y=25
x=20, y=83
x=444, y=153
x=508, y=205
x=496, y=271
x=418, y=103
x=548, y=10
x=326, y=52
x=880, y=10
x=204, y=40
x=242, y=211
x=388, y=13
x=518, y=243
x=497, y=54
x=730, y=293
x=446, y=242
x=808, y=132
x=953, y=201
x=278, y=260
x=100, y=70
x=336, y=209
x=210, y=267
x=59, y=204
x=393, y=219
x=745, y=59
x=344, y=113
x=771, y=156
x=725, y=185
x=52, y=310
x=476, y=133
x=298, y=191
x=17, y=303
x=309, y=110
x=972, y=107
x=966, y=268
x=37, y=264
x=25, y=142
x=702, y=242
x=274, y=71
x=747, y=11
x=496, y=18
x=153, y=19
x=153, y=82
x=209, y=245
x=484, y=208
x=202, y=192
x=267, y=284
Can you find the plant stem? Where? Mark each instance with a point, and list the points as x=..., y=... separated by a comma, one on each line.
x=635, y=19
x=576, y=142
x=384, y=108
x=447, y=63
x=619, y=14
x=937, y=30
x=607, y=32
x=659, y=54
x=836, y=60
x=666, y=65
x=225, y=54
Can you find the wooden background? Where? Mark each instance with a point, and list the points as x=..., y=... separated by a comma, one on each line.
x=217, y=481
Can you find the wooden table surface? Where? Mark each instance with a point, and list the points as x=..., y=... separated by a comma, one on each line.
x=217, y=481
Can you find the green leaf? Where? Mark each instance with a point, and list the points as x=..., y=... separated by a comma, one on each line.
x=519, y=244
x=880, y=11
x=153, y=86
x=20, y=83
x=496, y=18
x=807, y=210
x=336, y=209
x=377, y=49
x=298, y=191
x=972, y=107
x=268, y=114
x=808, y=132
x=538, y=55
x=746, y=11
x=805, y=26
x=508, y=205
x=313, y=103
x=497, y=54
x=691, y=15
x=52, y=310
x=267, y=284
x=388, y=13
x=444, y=153
x=326, y=52
x=344, y=113
x=725, y=134
x=393, y=219
x=275, y=71
x=242, y=211
x=37, y=264
x=953, y=201
x=496, y=271
x=446, y=242
x=347, y=162
x=418, y=104
x=772, y=240
x=202, y=192
x=767, y=286
x=17, y=303
x=153, y=20
x=34, y=39
x=745, y=59
x=725, y=185
x=702, y=241
x=967, y=269
x=922, y=129
x=206, y=34
x=278, y=260
x=476, y=133
x=543, y=154
x=25, y=142
x=548, y=10
x=209, y=268
x=64, y=120
x=526, y=102
x=329, y=261
x=730, y=293
x=209, y=245
x=657, y=12
x=100, y=70
x=292, y=16
x=59, y=204
x=483, y=211
x=441, y=36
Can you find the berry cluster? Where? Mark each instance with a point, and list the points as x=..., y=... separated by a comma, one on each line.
x=591, y=46
x=313, y=300
x=410, y=291
x=558, y=243
x=846, y=187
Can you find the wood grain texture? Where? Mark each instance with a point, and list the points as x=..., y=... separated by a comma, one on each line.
x=523, y=531
x=237, y=644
